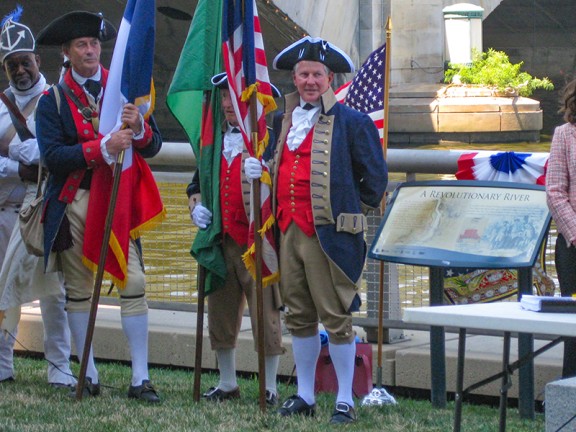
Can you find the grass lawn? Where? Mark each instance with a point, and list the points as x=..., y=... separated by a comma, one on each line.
x=29, y=404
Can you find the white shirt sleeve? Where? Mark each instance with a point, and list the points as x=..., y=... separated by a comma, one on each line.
x=26, y=152
x=8, y=168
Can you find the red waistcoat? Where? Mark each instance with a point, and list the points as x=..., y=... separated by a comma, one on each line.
x=293, y=190
x=234, y=220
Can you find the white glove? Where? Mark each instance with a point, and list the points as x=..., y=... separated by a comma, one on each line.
x=201, y=216
x=252, y=168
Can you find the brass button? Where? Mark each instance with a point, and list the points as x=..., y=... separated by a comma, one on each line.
x=88, y=150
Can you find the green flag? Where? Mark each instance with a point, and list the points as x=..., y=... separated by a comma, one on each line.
x=197, y=108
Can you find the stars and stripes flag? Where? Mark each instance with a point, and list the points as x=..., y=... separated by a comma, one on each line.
x=139, y=206
x=247, y=71
x=503, y=166
x=365, y=93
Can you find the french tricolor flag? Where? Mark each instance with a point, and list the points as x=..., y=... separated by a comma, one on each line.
x=139, y=206
x=503, y=166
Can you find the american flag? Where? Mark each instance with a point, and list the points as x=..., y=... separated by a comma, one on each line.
x=247, y=71
x=365, y=92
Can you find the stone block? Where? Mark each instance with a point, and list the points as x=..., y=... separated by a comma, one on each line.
x=413, y=105
x=519, y=104
x=522, y=121
x=469, y=122
x=417, y=90
x=561, y=405
x=468, y=105
x=417, y=122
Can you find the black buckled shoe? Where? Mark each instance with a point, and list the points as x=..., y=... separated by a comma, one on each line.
x=90, y=390
x=271, y=398
x=10, y=379
x=144, y=392
x=343, y=414
x=214, y=394
x=62, y=386
x=295, y=405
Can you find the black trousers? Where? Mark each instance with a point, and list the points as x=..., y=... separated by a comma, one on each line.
x=565, y=260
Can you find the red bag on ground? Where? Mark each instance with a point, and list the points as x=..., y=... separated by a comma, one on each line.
x=325, y=378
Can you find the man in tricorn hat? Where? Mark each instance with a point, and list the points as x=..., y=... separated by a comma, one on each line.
x=74, y=151
x=329, y=171
x=22, y=277
x=226, y=304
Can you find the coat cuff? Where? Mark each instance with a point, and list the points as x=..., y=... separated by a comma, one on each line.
x=146, y=138
x=92, y=153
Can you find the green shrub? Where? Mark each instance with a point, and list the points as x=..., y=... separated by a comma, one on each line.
x=493, y=69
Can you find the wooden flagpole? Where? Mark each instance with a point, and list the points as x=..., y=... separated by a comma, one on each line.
x=99, y=276
x=199, y=333
x=383, y=203
x=256, y=211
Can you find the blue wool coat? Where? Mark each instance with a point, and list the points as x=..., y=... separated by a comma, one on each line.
x=63, y=155
x=348, y=178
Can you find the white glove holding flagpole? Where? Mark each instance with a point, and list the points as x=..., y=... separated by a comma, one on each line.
x=201, y=216
x=253, y=168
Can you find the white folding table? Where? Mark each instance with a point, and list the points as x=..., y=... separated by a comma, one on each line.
x=507, y=317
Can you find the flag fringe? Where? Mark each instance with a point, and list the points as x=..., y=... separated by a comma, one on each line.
x=266, y=225
x=266, y=179
x=121, y=284
x=148, y=225
x=251, y=267
x=117, y=250
x=267, y=101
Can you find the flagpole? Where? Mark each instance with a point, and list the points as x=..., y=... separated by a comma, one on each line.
x=256, y=211
x=199, y=333
x=99, y=276
x=383, y=202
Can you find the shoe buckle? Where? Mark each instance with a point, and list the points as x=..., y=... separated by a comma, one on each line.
x=288, y=403
x=343, y=407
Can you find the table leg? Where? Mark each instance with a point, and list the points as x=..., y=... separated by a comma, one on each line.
x=459, y=380
x=526, y=376
x=505, y=382
x=437, y=342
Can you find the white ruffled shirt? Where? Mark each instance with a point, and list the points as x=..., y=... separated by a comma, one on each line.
x=233, y=144
x=302, y=122
x=12, y=189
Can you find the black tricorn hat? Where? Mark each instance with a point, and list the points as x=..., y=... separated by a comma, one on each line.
x=221, y=81
x=75, y=25
x=314, y=49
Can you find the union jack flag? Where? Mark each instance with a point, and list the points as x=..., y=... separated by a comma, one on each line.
x=365, y=93
x=247, y=71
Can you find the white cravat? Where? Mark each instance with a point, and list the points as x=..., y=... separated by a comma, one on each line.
x=233, y=145
x=302, y=122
